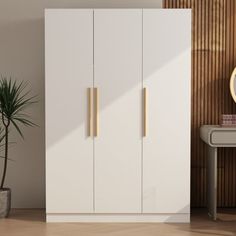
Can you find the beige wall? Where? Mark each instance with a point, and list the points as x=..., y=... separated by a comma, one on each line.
x=22, y=57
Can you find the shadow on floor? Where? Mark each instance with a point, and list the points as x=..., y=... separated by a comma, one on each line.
x=38, y=215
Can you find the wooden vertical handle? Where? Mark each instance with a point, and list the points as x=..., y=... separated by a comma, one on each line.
x=96, y=112
x=90, y=112
x=144, y=112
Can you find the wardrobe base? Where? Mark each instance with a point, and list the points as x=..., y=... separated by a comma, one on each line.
x=118, y=218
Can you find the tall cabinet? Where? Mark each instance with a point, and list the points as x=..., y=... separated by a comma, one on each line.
x=117, y=115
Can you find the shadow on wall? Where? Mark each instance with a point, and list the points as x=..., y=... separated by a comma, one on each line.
x=22, y=58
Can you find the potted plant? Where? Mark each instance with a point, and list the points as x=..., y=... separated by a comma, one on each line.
x=14, y=99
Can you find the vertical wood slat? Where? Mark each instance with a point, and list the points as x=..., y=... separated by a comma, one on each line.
x=213, y=59
x=233, y=165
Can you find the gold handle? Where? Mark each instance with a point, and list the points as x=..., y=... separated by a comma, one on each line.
x=90, y=112
x=96, y=108
x=144, y=112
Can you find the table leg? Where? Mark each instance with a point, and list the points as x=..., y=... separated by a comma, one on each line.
x=212, y=182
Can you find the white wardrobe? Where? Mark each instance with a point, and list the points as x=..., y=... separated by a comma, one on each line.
x=118, y=115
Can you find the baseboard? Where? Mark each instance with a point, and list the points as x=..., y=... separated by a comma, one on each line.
x=119, y=218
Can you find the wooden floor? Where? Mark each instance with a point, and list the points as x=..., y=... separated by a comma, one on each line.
x=32, y=223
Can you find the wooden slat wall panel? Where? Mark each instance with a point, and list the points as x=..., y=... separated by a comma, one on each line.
x=213, y=60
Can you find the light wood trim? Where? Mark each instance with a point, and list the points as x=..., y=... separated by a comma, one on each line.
x=31, y=222
x=96, y=111
x=144, y=112
x=90, y=112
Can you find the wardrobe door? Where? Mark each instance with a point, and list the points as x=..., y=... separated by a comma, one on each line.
x=166, y=77
x=117, y=76
x=69, y=148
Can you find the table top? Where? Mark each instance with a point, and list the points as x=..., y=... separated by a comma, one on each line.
x=218, y=136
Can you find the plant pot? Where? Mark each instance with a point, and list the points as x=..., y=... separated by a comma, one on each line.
x=5, y=202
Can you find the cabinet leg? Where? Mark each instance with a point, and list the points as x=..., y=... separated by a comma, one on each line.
x=212, y=182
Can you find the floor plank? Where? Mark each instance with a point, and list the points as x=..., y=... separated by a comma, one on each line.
x=31, y=222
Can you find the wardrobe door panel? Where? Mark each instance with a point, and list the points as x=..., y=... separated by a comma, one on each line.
x=69, y=72
x=117, y=75
x=167, y=76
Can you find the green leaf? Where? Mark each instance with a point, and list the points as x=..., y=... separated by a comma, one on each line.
x=17, y=128
x=14, y=100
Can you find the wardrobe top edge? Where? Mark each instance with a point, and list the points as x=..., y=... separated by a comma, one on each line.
x=158, y=9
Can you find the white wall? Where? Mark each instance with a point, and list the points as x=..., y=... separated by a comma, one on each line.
x=22, y=57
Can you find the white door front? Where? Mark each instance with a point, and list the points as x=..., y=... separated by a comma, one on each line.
x=69, y=72
x=167, y=76
x=118, y=77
